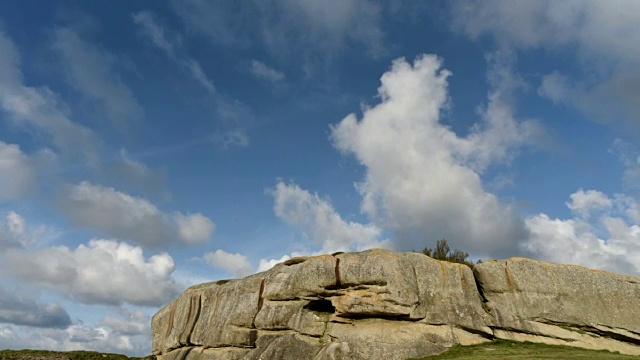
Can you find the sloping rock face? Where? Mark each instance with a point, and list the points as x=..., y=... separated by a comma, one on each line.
x=379, y=304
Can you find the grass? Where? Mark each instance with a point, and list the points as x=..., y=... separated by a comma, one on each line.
x=500, y=349
x=57, y=355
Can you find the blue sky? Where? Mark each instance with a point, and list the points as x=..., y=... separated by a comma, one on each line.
x=148, y=146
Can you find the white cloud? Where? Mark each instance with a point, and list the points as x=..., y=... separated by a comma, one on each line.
x=195, y=228
x=232, y=138
x=321, y=223
x=129, y=323
x=330, y=24
x=288, y=26
x=16, y=172
x=583, y=203
x=124, y=216
x=610, y=100
x=266, y=264
x=132, y=174
x=629, y=156
x=422, y=180
x=24, y=310
x=16, y=233
x=128, y=334
x=156, y=34
x=198, y=74
x=213, y=20
x=38, y=108
x=237, y=265
x=103, y=272
x=610, y=242
x=262, y=71
x=232, y=113
x=600, y=31
x=91, y=70
x=595, y=26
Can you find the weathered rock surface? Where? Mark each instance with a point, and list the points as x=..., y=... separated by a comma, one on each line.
x=379, y=304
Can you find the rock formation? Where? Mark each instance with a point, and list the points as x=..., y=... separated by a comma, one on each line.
x=379, y=304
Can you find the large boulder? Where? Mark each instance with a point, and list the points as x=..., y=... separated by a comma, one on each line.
x=561, y=304
x=379, y=304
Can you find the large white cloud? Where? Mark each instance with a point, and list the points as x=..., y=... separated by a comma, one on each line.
x=102, y=272
x=321, y=223
x=17, y=174
x=422, y=180
x=604, y=233
x=124, y=216
x=39, y=108
x=237, y=265
x=91, y=71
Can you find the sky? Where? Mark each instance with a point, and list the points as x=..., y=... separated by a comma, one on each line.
x=149, y=146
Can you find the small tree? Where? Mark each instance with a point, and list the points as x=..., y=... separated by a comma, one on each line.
x=443, y=252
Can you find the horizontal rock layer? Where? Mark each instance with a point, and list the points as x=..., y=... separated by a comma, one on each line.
x=379, y=304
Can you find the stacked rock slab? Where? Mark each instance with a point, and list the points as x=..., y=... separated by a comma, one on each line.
x=379, y=304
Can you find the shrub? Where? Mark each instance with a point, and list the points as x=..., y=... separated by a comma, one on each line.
x=443, y=252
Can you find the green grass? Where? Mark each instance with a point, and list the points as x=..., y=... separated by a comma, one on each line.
x=500, y=349
x=57, y=355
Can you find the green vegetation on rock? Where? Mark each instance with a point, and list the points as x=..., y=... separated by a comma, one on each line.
x=57, y=355
x=500, y=349
x=443, y=252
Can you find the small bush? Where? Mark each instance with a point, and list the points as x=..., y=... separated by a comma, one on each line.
x=443, y=252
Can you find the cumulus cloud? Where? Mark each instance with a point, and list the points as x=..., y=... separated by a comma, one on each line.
x=266, y=264
x=38, y=108
x=235, y=264
x=321, y=223
x=24, y=310
x=124, y=216
x=17, y=174
x=102, y=272
x=262, y=71
x=92, y=72
x=611, y=241
x=594, y=28
x=422, y=180
x=583, y=203
x=128, y=334
x=195, y=228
